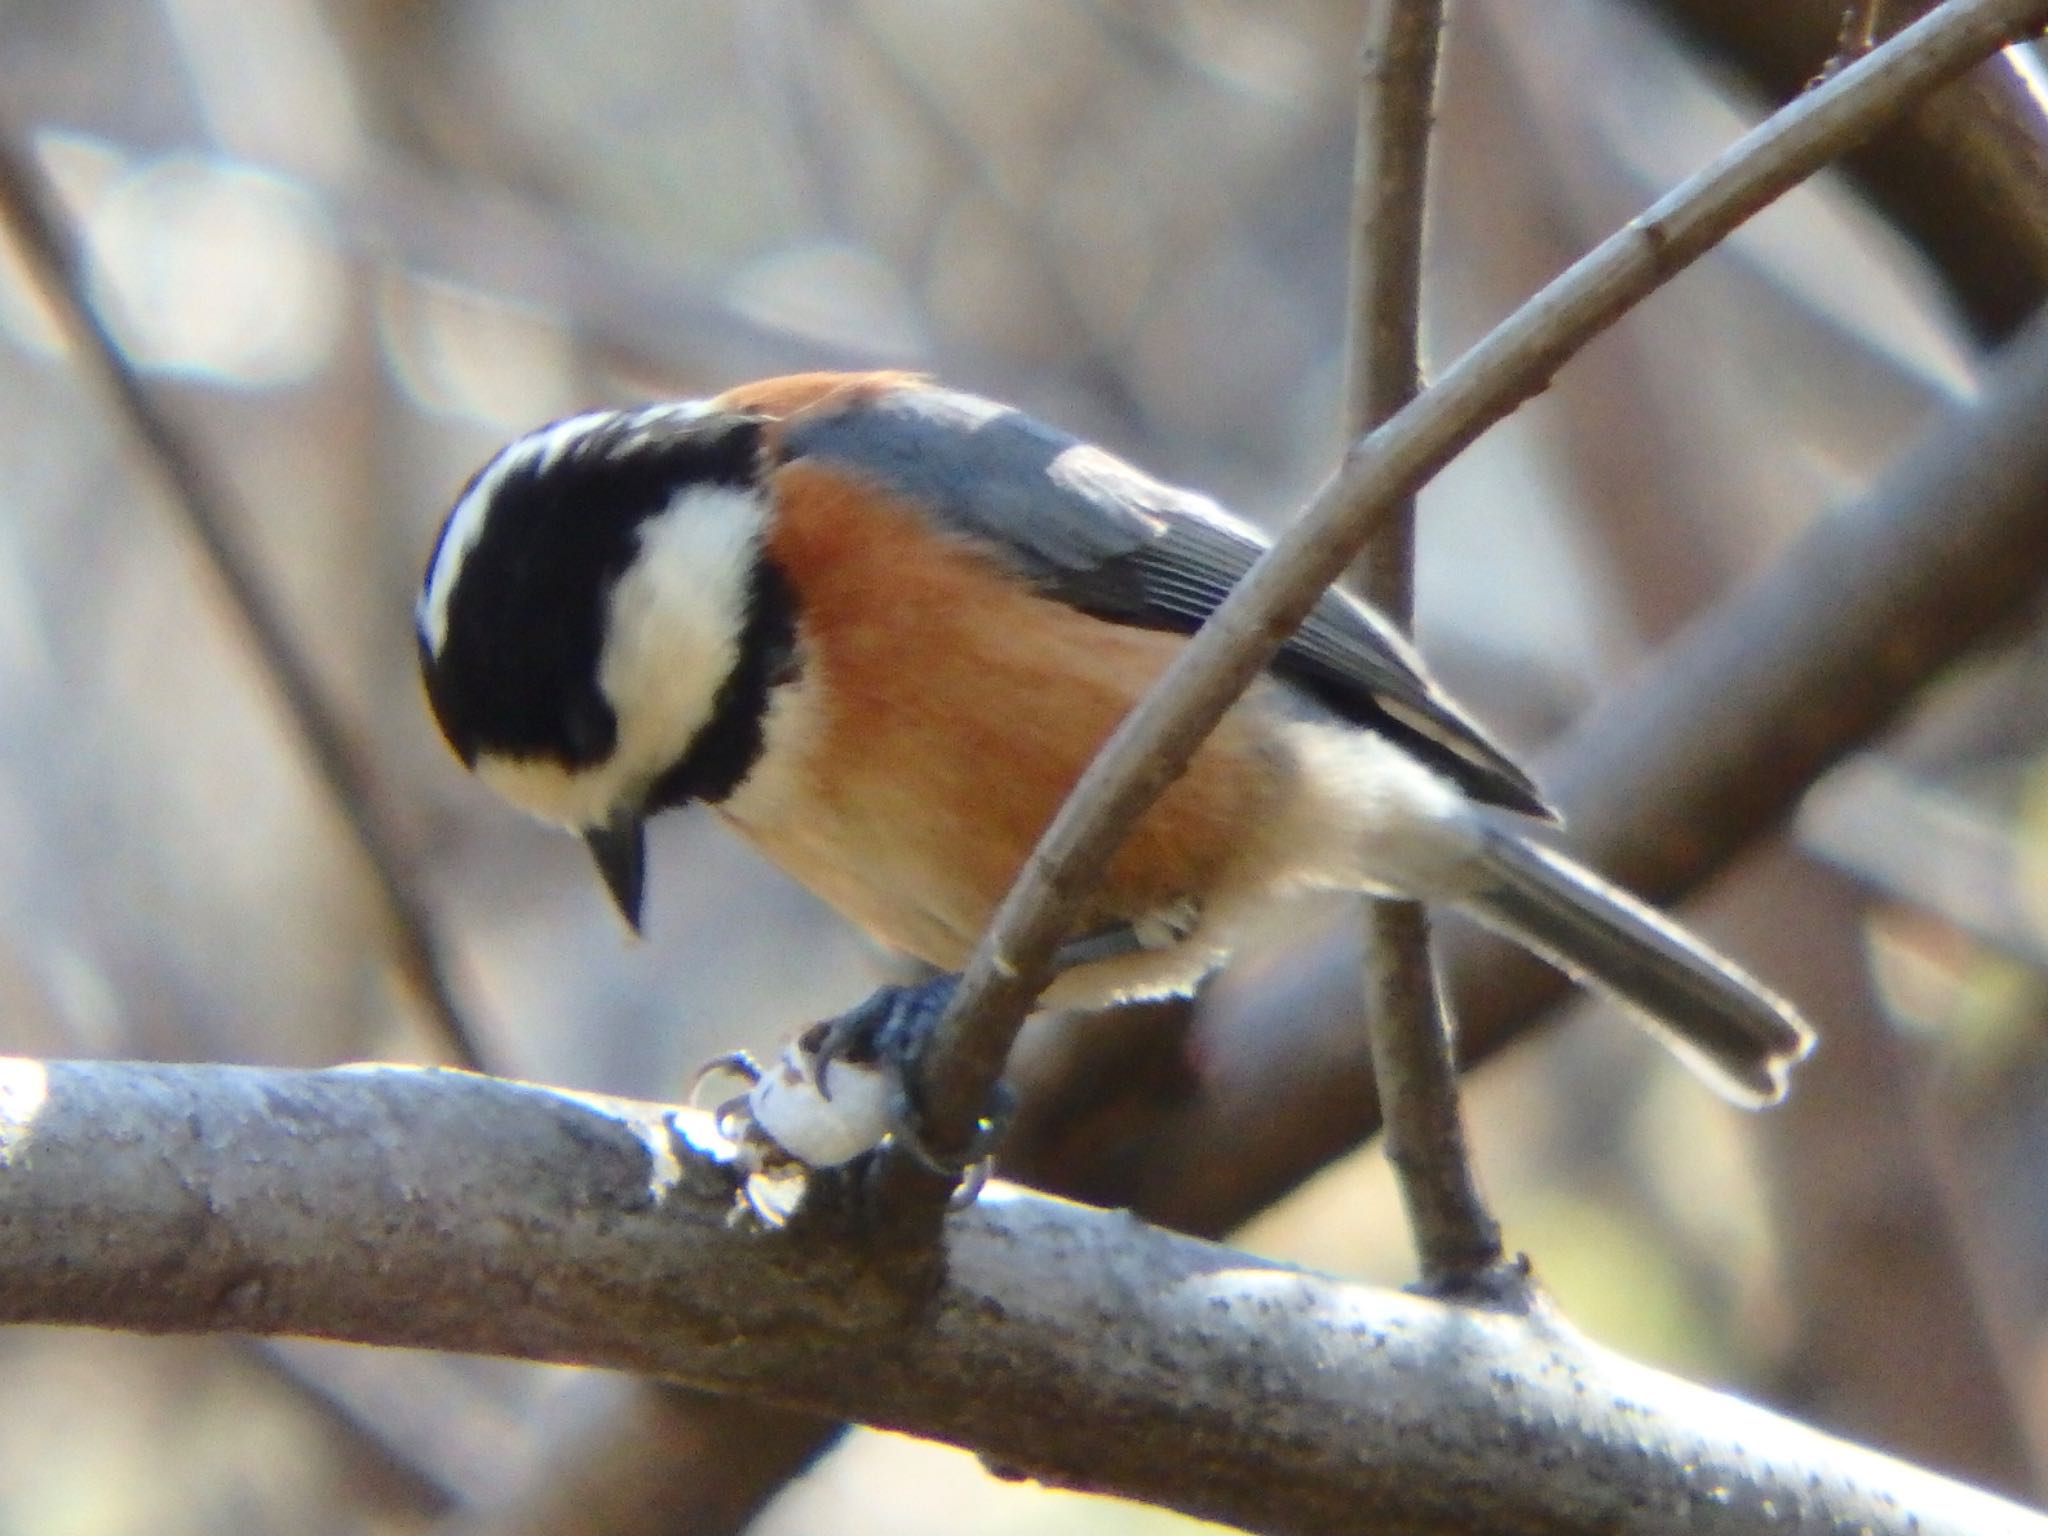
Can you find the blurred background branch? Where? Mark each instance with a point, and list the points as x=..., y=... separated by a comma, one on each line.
x=49, y=249
x=1965, y=177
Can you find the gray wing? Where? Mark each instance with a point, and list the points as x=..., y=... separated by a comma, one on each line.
x=1092, y=531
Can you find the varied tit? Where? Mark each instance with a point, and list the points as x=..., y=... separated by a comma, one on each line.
x=881, y=627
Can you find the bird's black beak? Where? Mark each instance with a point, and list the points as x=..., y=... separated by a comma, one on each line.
x=620, y=848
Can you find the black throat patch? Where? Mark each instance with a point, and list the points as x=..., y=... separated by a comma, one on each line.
x=726, y=747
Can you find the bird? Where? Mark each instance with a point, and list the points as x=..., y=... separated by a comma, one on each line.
x=881, y=626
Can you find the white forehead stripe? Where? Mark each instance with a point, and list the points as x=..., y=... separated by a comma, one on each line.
x=466, y=522
x=532, y=453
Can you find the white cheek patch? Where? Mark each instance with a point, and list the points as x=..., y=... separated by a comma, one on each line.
x=550, y=792
x=672, y=635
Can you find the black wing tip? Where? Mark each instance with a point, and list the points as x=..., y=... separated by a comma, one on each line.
x=1517, y=792
x=1489, y=774
x=1439, y=732
x=1498, y=780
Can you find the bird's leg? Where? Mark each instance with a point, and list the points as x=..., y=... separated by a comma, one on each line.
x=1157, y=930
x=1092, y=948
x=888, y=1028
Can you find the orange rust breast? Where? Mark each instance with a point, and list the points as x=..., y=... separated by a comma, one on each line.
x=954, y=710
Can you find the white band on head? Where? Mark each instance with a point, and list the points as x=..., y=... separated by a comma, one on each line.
x=466, y=523
x=532, y=453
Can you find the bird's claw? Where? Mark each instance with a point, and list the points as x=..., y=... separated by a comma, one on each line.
x=844, y=1087
x=889, y=1032
x=970, y=1164
x=740, y=1064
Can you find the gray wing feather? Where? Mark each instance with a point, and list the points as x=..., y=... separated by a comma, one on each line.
x=983, y=470
x=1102, y=536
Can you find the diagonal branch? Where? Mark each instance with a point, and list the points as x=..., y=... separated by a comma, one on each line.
x=1665, y=783
x=1512, y=363
x=31, y=218
x=1457, y=1239
x=402, y=1206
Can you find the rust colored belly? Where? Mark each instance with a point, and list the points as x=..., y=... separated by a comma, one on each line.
x=945, y=713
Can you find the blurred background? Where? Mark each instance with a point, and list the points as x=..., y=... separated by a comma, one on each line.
x=353, y=245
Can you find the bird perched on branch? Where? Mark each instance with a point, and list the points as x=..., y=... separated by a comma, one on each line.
x=881, y=627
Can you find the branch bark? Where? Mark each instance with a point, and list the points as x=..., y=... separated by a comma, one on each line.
x=395, y=1205
x=1154, y=744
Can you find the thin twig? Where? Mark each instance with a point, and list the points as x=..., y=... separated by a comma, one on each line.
x=1511, y=364
x=1457, y=1240
x=1390, y=169
x=547, y=1225
x=1858, y=35
x=30, y=213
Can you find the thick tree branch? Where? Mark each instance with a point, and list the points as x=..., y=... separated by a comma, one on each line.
x=50, y=249
x=1513, y=362
x=406, y=1206
x=1663, y=784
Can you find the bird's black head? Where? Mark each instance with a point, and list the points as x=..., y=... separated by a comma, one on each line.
x=585, y=610
x=513, y=614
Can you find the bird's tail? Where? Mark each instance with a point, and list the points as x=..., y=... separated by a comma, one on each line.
x=1733, y=1031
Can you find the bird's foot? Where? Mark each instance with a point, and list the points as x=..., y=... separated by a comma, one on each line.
x=889, y=1033
x=837, y=1096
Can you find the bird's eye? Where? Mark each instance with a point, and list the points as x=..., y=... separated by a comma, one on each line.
x=590, y=731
